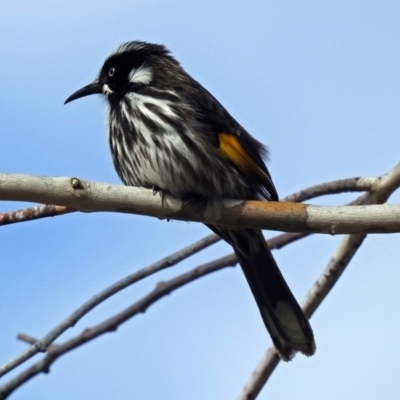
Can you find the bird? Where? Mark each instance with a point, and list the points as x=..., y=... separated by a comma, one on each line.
x=168, y=133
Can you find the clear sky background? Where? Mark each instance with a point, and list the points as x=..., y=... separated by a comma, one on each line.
x=317, y=81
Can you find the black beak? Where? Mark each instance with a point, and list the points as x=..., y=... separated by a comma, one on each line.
x=92, y=88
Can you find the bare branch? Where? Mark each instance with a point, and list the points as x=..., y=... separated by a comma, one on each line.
x=290, y=217
x=260, y=375
x=32, y=213
x=43, y=344
x=333, y=187
x=162, y=289
x=24, y=337
x=279, y=241
x=81, y=185
x=381, y=191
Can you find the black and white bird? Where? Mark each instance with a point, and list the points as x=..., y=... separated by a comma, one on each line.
x=167, y=132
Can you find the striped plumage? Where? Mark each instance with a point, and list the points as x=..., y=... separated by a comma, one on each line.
x=154, y=143
x=168, y=133
x=153, y=129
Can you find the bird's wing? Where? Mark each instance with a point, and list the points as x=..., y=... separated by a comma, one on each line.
x=248, y=160
x=232, y=140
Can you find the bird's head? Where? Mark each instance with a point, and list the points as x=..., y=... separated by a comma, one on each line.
x=131, y=65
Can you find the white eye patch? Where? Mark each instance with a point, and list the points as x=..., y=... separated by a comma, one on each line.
x=142, y=75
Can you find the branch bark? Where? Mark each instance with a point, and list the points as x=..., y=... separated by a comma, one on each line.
x=282, y=216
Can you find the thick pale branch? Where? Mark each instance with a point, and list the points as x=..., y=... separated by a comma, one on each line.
x=333, y=187
x=94, y=196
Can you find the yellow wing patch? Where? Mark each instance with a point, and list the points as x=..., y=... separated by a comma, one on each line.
x=231, y=148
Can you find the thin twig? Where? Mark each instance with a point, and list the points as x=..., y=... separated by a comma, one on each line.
x=111, y=324
x=229, y=260
x=279, y=241
x=32, y=213
x=24, y=337
x=43, y=344
x=333, y=187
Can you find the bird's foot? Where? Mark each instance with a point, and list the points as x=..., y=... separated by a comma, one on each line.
x=161, y=192
x=188, y=198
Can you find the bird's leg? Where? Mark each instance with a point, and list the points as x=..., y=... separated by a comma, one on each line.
x=193, y=197
x=161, y=192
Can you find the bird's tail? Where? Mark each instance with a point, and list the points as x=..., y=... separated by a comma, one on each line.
x=286, y=323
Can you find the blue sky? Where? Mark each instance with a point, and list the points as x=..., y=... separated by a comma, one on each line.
x=316, y=81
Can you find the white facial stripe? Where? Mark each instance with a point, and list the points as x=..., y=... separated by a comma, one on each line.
x=106, y=89
x=141, y=75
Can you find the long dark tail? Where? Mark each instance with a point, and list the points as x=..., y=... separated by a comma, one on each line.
x=286, y=323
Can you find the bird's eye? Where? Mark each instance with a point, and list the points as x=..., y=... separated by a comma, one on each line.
x=111, y=71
